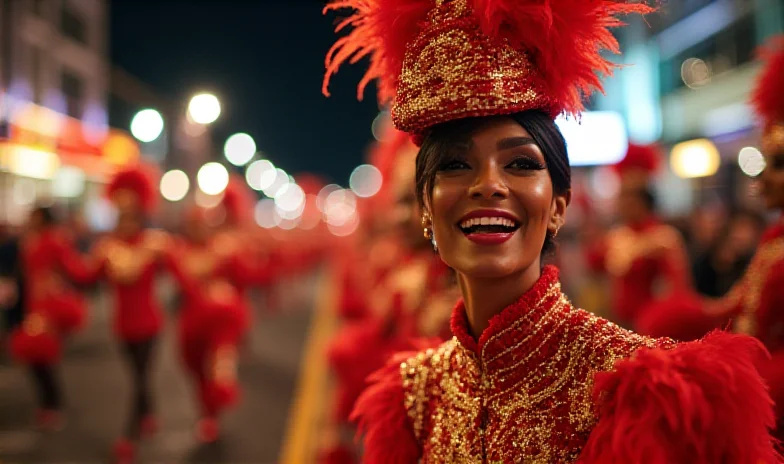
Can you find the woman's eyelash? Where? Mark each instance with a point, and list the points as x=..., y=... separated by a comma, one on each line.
x=525, y=162
x=453, y=165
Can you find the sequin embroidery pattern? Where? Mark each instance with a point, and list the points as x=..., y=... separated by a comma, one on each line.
x=524, y=394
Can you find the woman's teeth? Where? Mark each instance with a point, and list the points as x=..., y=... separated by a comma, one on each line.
x=487, y=221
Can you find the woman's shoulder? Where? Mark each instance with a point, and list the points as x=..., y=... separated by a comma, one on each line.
x=704, y=399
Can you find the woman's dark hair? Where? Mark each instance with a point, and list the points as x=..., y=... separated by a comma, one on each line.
x=437, y=148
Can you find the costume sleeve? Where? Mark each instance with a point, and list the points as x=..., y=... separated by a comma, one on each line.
x=382, y=419
x=84, y=270
x=171, y=261
x=700, y=403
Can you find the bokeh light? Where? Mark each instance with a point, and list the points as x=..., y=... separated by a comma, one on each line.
x=212, y=178
x=751, y=161
x=239, y=149
x=260, y=174
x=365, y=180
x=204, y=108
x=175, y=185
x=147, y=125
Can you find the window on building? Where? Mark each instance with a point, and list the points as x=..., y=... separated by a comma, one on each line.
x=36, y=74
x=73, y=25
x=73, y=91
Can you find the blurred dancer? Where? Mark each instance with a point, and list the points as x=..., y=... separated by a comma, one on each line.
x=527, y=377
x=410, y=298
x=213, y=317
x=754, y=305
x=129, y=259
x=642, y=253
x=53, y=308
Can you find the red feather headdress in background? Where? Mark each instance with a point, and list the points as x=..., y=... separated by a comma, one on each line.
x=136, y=181
x=768, y=95
x=640, y=163
x=441, y=60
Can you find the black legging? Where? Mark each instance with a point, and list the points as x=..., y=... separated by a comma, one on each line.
x=45, y=380
x=139, y=355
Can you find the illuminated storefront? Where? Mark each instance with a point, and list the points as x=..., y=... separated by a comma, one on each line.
x=48, y=157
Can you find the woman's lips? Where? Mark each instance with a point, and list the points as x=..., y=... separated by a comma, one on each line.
x=493, y=238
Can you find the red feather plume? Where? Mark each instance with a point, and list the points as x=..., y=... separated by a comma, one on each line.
x=768, y=94
x=565, y=39
x=381, y=29
x=700, y=403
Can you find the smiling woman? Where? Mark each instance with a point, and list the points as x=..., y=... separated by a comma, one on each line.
x=527, y=377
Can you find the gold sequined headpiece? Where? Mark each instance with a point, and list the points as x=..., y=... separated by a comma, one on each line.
x=768, y=96
x=441, y=60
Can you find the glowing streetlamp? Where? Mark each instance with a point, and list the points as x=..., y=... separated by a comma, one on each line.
x=147, y=125
x=239, y=149
x=204, y=108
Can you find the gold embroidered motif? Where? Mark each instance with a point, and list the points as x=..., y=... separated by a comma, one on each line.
x=530, y=402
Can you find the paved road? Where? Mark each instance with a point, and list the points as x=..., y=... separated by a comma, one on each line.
x=97, y=392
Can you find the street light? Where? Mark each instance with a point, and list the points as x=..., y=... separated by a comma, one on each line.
x=174, y=185
x=147, y=125
x=204, y=108
x=212, y=178
x=239, y=149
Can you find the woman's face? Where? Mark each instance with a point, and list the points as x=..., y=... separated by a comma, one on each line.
x=772, y=179
x=128, y=223
x=492, y=202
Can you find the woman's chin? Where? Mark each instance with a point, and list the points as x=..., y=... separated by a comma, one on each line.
x=488, y=270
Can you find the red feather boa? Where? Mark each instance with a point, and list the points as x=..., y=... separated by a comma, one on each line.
x=700, y=403
x=382, y=419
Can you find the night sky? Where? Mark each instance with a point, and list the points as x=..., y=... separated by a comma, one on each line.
x=265, y=61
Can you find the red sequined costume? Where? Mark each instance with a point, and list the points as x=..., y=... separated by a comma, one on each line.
x=546, y=382
x=640, y=256
x=754, y=304
x=130, y=263
x=54, y=308
x=213, y=317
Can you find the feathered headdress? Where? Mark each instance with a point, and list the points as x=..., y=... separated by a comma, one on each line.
x=640, y=163
x=440, y=60
x=237, y=201
x=768, y=95
x=133, y=187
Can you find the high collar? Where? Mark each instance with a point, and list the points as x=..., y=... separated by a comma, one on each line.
x=519, y=326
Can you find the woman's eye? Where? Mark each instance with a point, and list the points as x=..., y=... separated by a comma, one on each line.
x=454, y=165
x=526, y=163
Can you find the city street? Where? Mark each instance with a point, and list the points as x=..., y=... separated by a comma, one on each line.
x=96, y=390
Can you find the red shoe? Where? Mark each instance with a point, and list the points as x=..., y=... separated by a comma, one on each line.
x=48, y=419
x=149, y=426
x=207, y=430
x=123, y=451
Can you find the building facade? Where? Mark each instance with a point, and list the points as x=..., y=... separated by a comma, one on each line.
x=55, y=140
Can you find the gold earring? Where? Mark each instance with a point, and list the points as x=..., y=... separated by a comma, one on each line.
x=555, y=234
x=428, y=232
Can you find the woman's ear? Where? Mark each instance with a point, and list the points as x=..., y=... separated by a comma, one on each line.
x=558, y=211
